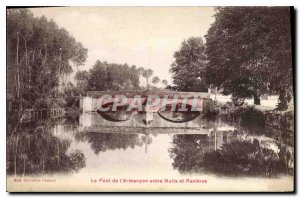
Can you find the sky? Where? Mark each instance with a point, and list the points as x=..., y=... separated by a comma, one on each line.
x=142, y=36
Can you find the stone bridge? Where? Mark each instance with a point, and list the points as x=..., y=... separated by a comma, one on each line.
x=91, y=101
x=149, y=119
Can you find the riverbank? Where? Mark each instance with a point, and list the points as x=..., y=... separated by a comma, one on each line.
x=250, y=115
x=266, y=104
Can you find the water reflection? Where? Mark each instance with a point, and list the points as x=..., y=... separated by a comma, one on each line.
x=201, y=146
x=101, y=142
x=230, y=153
x=178, y=117
x=33, y=149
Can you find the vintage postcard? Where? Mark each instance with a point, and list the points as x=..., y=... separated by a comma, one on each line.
x=150, y=99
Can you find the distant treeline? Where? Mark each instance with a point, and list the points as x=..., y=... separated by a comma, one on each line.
x=113, y=77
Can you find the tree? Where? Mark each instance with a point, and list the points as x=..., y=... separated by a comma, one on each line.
x=77, y=160
x=244, y=157
x=155, y=80
x=39, y=54
x=82, y=79
x=189, y=65
x=165, y=82
x=187, y=152
x=110, y=76
x=101, y=142
x=147, y=74
x=249, y=52
x=237, y=157
x=140, y=70
x=35, y=150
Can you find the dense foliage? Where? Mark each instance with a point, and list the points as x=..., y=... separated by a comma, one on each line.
x=113, y=77
x=188, y=68
x=236, y=156
x=39, y=55
x=33, y=149
x=249, y=52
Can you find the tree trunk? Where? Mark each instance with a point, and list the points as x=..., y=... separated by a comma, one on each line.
x=18, y=69
x=147, y=83
x=27, y=61
x=44, y=60
x=26, y=54
x=45, y=57
x=59, y=68
x=284, y=99
x=33, y=53
x=16, y=153
x=43, y=166
x=24, y=166
x=58, y=153
x=59, y=72
x=256, y=99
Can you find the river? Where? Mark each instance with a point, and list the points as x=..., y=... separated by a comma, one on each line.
x=97, y=153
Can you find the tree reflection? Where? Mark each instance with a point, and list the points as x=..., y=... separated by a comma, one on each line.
x=101, y=142
x=244, y=157
x=146, y=140
x=188, y=152
x=237, y=157
x=32, y=149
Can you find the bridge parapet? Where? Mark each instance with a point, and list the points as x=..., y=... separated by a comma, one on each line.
x=170, y=105
x=97, y=94
x=90, y=102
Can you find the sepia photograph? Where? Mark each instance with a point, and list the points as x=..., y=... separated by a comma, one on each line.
x=150, y=99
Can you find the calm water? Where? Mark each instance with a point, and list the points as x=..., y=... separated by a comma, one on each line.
x=90, y=145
